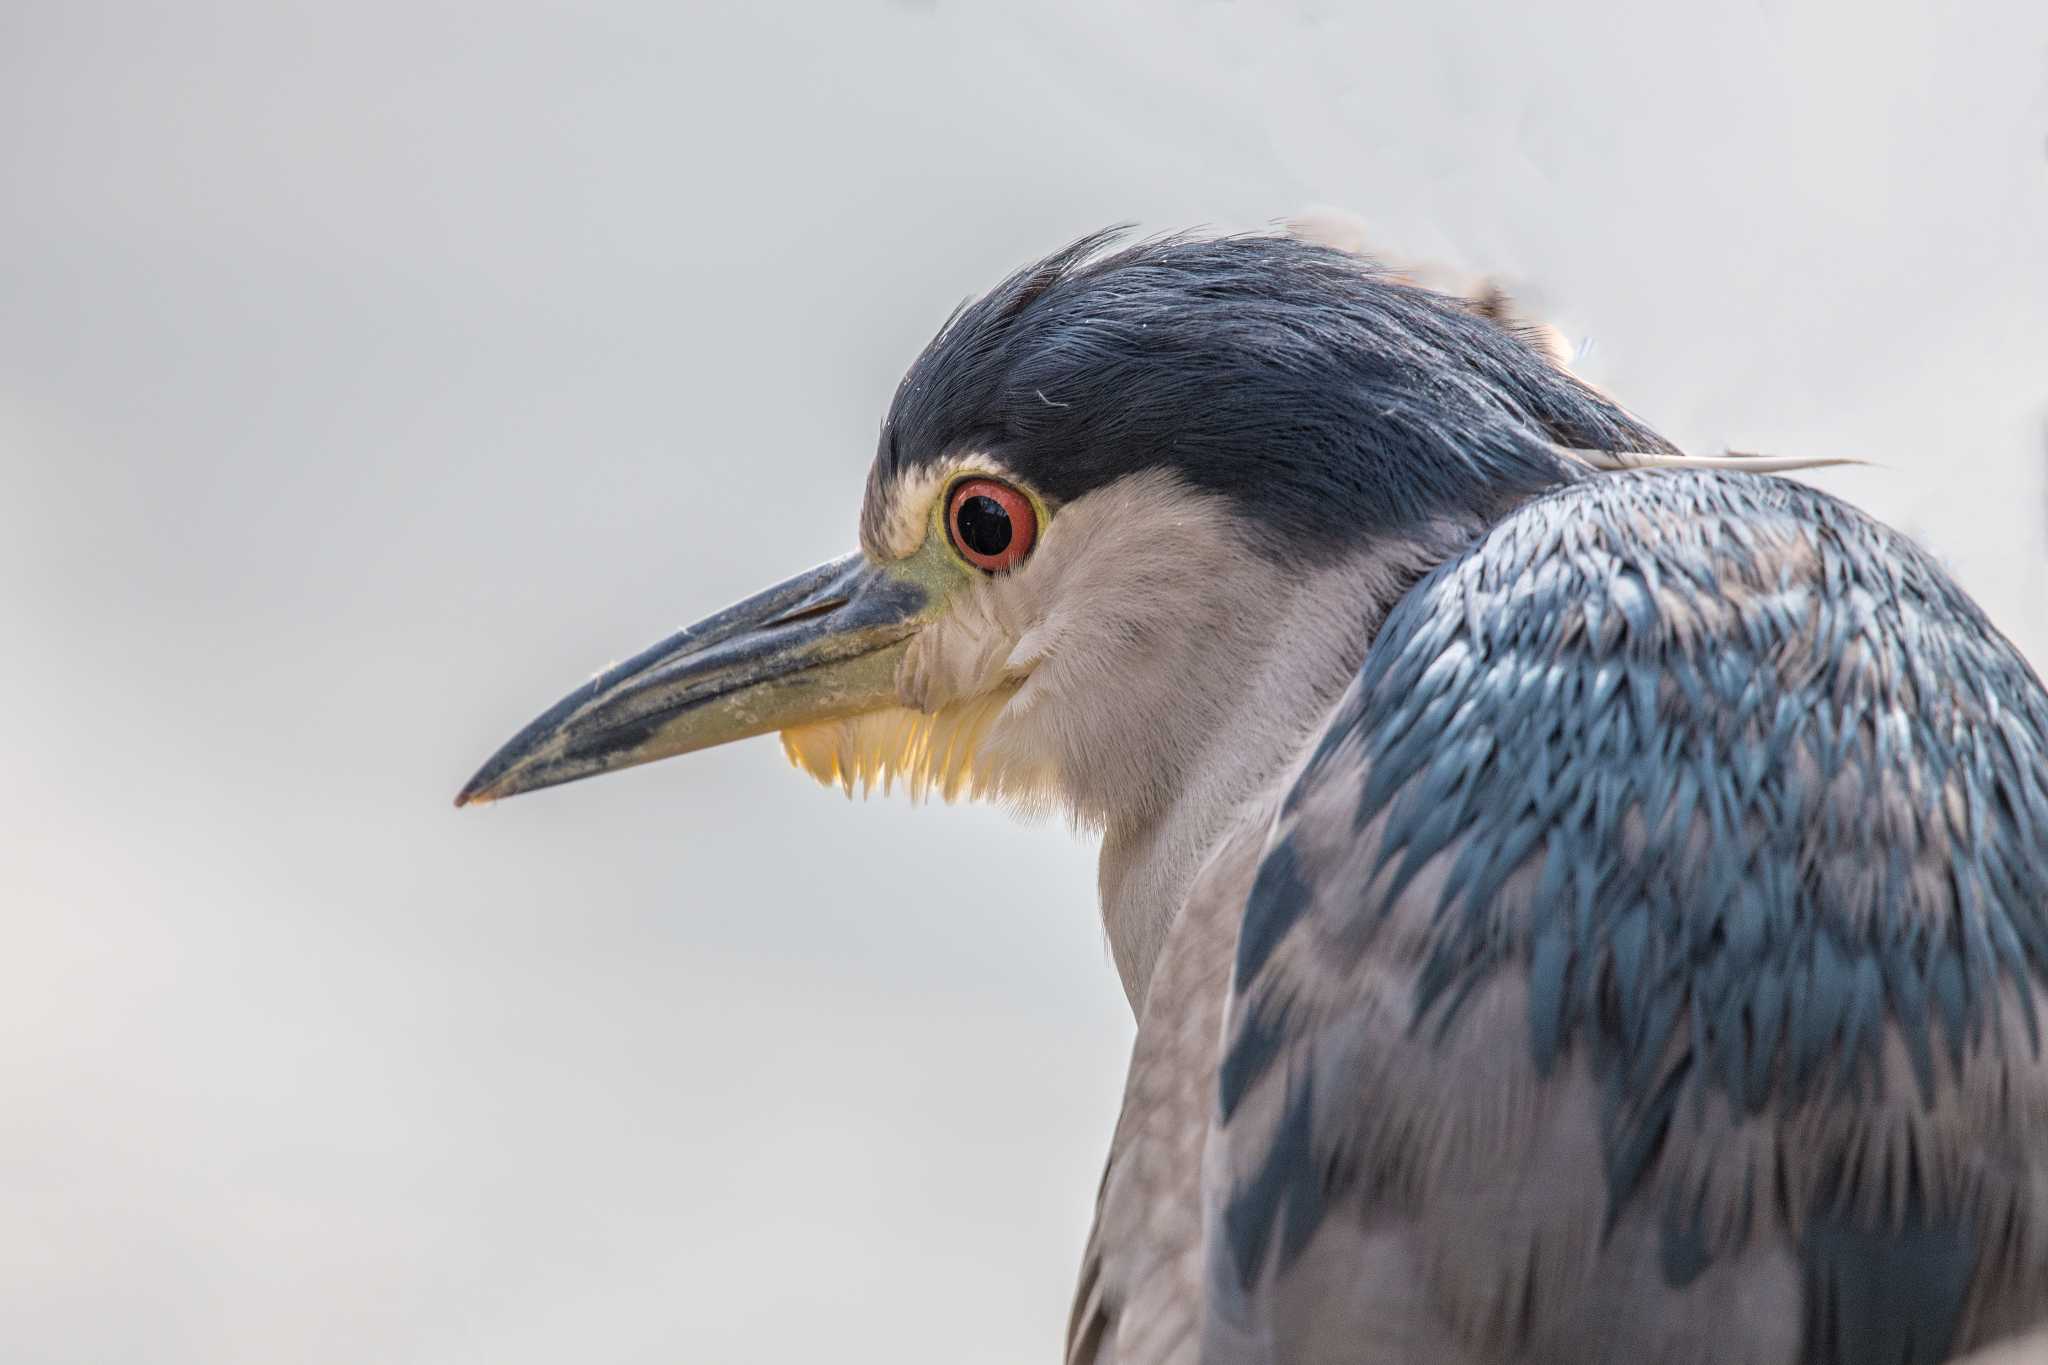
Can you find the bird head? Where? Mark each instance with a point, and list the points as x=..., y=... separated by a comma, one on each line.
x=1136, y=499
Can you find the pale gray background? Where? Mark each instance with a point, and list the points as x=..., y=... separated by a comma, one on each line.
x=371, y=373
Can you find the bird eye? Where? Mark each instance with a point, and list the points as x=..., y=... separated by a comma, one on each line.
x=992, y=524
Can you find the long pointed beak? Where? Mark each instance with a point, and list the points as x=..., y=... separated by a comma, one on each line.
x=821, y=646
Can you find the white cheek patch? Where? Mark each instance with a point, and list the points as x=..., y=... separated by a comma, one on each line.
x=961, y=655
x=950, y=737
x=1052, y=685
x=1028, y=652
x=956, y=682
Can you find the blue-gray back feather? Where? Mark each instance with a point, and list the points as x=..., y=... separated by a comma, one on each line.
x=1743, y=803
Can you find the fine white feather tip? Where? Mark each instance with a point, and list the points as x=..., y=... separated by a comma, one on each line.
x=1332, y=227
x=1617, y=460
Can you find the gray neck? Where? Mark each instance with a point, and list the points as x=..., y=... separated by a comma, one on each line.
x=1246, y=728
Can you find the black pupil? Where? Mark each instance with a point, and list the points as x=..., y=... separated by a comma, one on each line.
x=984, y=526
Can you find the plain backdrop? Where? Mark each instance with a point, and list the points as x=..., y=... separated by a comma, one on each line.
x=372, y=373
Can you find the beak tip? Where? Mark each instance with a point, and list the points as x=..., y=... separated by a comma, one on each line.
x=482, y=789
x=822, y=645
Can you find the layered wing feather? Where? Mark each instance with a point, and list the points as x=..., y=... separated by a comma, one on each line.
x=1646, y=965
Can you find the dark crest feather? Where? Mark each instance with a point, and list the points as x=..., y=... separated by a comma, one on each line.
x=1326, y=399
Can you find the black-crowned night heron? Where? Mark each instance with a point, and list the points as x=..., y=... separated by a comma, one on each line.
x=1581, y=904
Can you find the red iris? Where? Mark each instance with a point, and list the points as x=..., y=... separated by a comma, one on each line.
x=992, y=524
